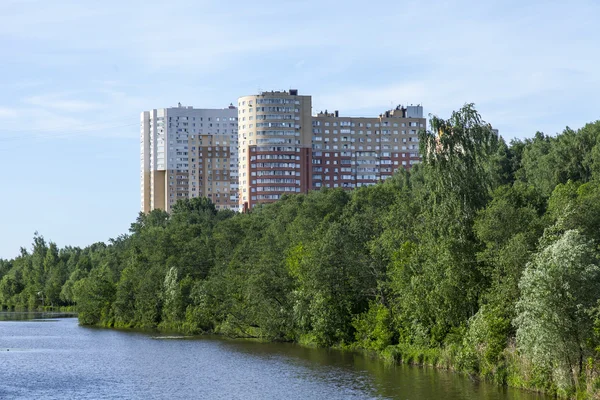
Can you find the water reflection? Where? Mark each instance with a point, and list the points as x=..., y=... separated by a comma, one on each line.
x=63, y=360
x=364, y=372
x=34, y=315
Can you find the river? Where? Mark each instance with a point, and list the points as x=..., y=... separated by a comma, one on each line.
x=54, y=358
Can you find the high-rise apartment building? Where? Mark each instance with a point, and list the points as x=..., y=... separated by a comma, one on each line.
x=275, y=142
x=186, y=153
x=283, y=149
x=269, y=146
x=351, y=152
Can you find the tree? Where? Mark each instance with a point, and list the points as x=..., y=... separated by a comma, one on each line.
x=435, y=278
x=509, y=227
x=94, y=296
x=66, y=294
x=9, y=287
x=457, y=153
x=558, y=289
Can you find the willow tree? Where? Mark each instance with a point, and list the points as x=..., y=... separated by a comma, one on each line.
x=441, y=281
x=458, y=155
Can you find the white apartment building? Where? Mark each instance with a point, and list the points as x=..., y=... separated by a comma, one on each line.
x=188, y=152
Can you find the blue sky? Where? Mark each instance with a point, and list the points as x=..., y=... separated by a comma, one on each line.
x=76, y=74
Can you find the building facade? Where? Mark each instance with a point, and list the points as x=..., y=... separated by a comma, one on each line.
x=269, y=146
x=351, y=152
x=186, y=153
x=275, y=146
x=283, y=149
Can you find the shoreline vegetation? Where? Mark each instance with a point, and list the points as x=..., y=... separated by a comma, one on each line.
x=483, y=259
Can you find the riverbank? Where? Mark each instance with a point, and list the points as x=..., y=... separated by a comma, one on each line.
x=510, y=372
x=107, y=363
x=484, y=258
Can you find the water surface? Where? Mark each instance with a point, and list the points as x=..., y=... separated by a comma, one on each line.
x=54, y=358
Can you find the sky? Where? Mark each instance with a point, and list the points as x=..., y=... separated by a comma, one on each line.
x=75, y=75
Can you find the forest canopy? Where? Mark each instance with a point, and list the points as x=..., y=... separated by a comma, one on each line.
x=483, y=258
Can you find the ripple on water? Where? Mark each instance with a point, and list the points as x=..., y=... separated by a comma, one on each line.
x=64, y=360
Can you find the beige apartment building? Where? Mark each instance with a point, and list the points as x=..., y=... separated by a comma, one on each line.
x=187, y=153
x=283, y=149
x=275, y=146
x=351, y=152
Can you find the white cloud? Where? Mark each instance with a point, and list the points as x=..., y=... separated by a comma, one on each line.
x=525, y=67
x=53, y=116
x=512, y=59
x=40, y=120
x=8, y=112
x=60, y=102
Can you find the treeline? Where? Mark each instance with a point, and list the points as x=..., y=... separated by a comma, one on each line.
x=483, y=258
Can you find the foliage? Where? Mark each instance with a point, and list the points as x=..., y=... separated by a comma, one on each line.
x=482, y=258
x=560, y=286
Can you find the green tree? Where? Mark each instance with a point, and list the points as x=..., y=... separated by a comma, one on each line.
x=94, y=296
x=435, y=279
x=558, y=289
x=67, y=294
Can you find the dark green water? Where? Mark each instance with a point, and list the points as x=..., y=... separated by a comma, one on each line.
x=57, y=359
